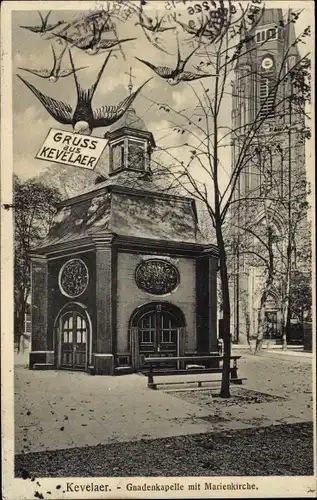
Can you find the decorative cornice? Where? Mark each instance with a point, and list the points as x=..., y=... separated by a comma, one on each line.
x=103, y=239
x=133, y=132
x=211, y=249
x=126, y=169
x=75, y=244
x=133, y=243
x=36, y=257
x=146, y=244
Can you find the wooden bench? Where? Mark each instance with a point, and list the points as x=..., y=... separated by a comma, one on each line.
x=192, y=368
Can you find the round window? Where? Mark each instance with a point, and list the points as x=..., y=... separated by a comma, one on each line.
x=157, y=277
x=73, y=278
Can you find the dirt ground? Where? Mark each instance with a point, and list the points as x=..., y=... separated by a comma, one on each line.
x=258, y=431
x=247, y=452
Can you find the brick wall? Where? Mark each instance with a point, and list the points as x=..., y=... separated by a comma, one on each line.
x=129, y=296
x=56, y=300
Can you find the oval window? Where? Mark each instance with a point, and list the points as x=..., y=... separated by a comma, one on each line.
x=157, y=277
x=73, y=278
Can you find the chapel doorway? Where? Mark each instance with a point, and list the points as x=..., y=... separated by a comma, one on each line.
x=157, y=330
x=73, y=340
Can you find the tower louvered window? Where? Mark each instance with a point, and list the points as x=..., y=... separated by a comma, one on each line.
x=267, y=94
x=263, y=35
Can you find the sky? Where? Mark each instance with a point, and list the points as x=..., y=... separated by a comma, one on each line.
x=31, y=122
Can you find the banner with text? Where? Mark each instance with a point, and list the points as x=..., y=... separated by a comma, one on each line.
x=72, y=149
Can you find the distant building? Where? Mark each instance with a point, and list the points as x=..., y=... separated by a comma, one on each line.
x=124, y=272
x=273, y=181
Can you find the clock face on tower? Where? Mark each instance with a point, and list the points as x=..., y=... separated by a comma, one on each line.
x=267, y=63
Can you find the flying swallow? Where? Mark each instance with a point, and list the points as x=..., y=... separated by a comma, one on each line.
x=84, y=119
x=44, y=26
x=174, y=76
x=190, y=27
x=199, y=32
x=84, y=23
x=150, y=28
x=94, y=43
x=56, y=72
x=148, y=23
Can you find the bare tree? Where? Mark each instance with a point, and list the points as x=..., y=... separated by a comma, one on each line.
x=258, y=247
x=277, y=224
x=195, y=164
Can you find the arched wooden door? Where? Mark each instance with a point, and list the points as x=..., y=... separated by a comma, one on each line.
x=156, y=330
x=73, y=340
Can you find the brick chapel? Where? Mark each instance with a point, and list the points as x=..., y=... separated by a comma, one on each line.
x=124, y=272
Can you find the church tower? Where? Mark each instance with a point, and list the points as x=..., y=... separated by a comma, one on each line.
x=274, y=173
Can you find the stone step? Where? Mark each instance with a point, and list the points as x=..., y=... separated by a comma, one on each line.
x=43, y=366
x=122, y=370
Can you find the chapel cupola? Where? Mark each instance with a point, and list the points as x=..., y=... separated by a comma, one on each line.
x=130, y=143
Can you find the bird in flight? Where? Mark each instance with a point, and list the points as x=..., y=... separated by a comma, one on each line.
x=151, y=29
x=84, y=23
x=149, y=24
x=83, y=118
x=203, y=30
x=44, y=26
x=53, y=75
x=177, y=75
x=93, y=43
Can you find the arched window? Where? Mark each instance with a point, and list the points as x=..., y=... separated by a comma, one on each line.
x=136, y=154
x=263, y=35
x=117, y=157
x=267, y=93
x=271, y=34
x=260, y=36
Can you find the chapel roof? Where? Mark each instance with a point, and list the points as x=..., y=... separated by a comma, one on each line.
x=130, y=120
x=124, y=211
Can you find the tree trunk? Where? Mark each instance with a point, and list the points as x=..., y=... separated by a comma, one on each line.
x=286, y=317
x=287, y=320
x=20, y=318
x=248, y=327
x=284, y=336
x=288, y=323
x=283, y=328
x=21, y=344
x=267, y=288
x=225, y=381
x=260, y=335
